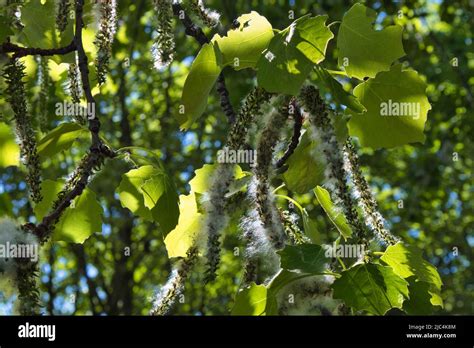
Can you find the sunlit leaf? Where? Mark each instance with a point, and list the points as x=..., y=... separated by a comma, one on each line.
x=241, y=47
x=202, y=76
x=187, y=232
x=397, y=108
x=59, y=139
x=79, y=221
x=407, y=261
x=364, y=51
x=251, y=300
x=292, y=53
x=334, y=213
x=372, y=288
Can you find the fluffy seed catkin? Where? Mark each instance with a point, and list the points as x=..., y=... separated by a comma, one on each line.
x=322, y=130
x=363, y=194
x=162, y=49
x=265, y=200
x=208, y=17
x=165, y=298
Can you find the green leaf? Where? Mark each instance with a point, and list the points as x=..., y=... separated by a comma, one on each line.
x=9, y=149
x=241, y=47
x=306, y=258
x=372, y=288
x=250, y=301
x=312, y=37
x=187, y=231
x=79, y=221
x=379, y=127
x=419, y=302
x=305, y=169
x=199, y=82
x=131, y=196
x=310, y=227
x=203, y=177
x=292, y=53
x=151, y=194
x=39, y=24
x=334, y=213
x=364, y=51
x=160, y=197
x=407, y=261
x=49, y=191
x=338, y=92
x=59, y=139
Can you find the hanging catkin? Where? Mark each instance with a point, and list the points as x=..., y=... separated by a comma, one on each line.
x=16, y=96
x=162, y=49
x=62, y=13
x=208, y=17
x=264, y=199
x=216, y=218
x=165, y=298
x=322, y=131
x=43, y=96
x=105, y=36
x=363, y=194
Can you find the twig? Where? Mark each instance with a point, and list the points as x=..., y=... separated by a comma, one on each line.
x=94, y=123
x=8, y=47
x=298, y=123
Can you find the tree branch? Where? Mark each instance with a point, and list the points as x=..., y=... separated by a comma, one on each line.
x=98, y=151
x=8, y=47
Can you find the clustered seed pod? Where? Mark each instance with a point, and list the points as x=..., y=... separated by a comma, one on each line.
x=267, y=141
x=363, y=194
x=162, y=49
x=260, y=258
x=43, y=96
x=13, y=74
x=322, y=131
x=216, y=215
x=105, y=36
x=251, y=109
x=62, y=13
x=209, y=17
x=165, y=298
x=22, y=272
x=292, y=230
x=309, y=296
x=75, y=91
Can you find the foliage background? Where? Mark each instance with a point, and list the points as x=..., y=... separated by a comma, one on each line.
x=139, y=103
